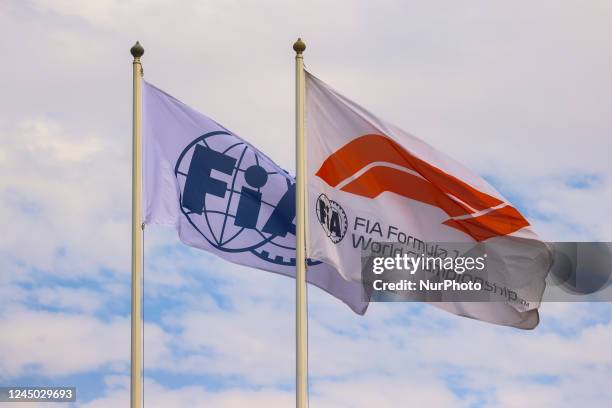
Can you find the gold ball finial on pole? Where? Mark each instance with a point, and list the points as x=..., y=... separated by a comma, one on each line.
x=137, y=238
x=137, y=50
x=299, y=46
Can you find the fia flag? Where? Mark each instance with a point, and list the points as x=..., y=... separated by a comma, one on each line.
x=370, y=182
x=223, y=195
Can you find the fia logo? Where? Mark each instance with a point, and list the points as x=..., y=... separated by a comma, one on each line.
x=237, y=198
x=332, y=218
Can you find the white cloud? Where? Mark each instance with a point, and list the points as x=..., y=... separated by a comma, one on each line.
x=155, y=395
x=66, y=201
x=71, y=299
x=386, y=391
x=382, y=392
x=56, y=344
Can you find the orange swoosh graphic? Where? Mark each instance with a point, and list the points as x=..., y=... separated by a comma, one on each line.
x=434, y=186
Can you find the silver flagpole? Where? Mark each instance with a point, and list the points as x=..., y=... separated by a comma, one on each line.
x=136, y=342
x=301, y=311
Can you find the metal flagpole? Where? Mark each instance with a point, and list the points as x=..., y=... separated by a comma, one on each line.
x=301, y=312
x=136, y=342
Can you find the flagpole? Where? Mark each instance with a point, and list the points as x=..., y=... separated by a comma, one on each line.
x=136, y=335
x=301, y=311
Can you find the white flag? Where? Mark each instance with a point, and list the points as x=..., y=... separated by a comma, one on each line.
x=223, y=195
x=371, y=182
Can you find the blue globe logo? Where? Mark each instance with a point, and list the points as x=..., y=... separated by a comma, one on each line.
x=236, y=198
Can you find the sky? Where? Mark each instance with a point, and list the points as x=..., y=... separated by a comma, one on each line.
x=518, y=91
